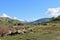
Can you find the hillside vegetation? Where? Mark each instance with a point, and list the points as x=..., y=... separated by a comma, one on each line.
x=11, y=29
x=9, y=21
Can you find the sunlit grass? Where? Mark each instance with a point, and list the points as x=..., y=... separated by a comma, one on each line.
x=39, y=32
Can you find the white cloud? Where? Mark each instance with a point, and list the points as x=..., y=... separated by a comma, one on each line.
x=30, y=20
x=15, y=18
x=18, y=19
x=54, y=11
x=4, y=15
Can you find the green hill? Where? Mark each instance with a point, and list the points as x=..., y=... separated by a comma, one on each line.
x=9, y=21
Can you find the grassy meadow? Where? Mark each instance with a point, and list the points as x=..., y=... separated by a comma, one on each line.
x=50, y=31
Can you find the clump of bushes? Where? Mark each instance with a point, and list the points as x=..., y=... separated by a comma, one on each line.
x=4, y=30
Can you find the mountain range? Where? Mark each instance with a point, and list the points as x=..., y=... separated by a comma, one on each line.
x=42, y=20
x=7, y=20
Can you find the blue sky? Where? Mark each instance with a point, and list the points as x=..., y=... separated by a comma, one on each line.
x=29, y=9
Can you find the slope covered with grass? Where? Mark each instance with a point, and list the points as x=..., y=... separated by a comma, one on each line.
x=38, y=32
x=9, y=21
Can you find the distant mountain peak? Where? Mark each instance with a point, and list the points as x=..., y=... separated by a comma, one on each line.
x=43, y=20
